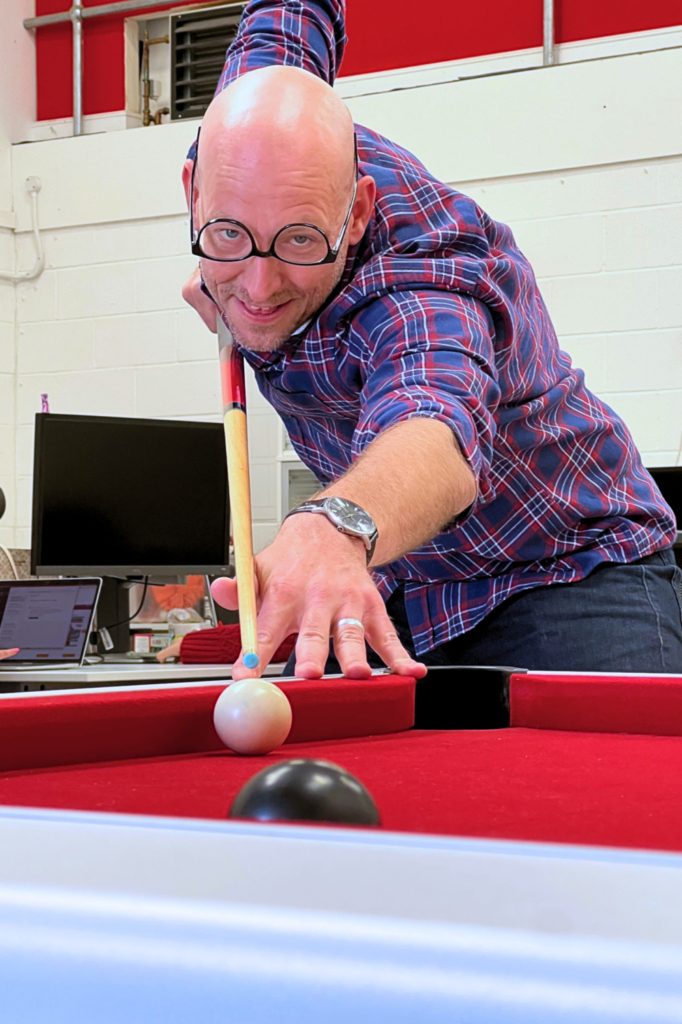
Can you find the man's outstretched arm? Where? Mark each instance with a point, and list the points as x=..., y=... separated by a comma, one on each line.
x=307, y=34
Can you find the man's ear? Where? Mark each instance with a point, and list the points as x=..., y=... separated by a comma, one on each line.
x=187, y=180
x=362, y=208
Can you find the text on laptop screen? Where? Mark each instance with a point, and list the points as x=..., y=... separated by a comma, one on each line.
x=48, y=622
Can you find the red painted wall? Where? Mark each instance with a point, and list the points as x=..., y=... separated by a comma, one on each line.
x=103, y=62
x=391, y=38
x=394, y=37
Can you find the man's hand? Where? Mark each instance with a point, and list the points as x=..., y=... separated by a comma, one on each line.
x=193, y=294
x=9, y=652
x=313, y=580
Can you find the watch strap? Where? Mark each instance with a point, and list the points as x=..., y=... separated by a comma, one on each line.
x=319, y=505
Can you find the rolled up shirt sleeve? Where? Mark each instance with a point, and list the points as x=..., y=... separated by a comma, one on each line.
x=430, y=354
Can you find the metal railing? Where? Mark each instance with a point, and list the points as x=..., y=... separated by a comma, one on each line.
x=78, y=13
x=548, y=41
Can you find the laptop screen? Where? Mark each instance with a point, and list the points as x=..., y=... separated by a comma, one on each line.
x=49, y=620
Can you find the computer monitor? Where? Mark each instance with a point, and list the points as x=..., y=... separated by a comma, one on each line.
x=669, y=480
x=128, y=497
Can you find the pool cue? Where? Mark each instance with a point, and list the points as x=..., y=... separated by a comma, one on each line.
x=237, y=448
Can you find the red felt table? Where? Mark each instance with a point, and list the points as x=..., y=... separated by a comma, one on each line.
x=595, y=760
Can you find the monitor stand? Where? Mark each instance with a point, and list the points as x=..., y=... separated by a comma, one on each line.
x=113, y=612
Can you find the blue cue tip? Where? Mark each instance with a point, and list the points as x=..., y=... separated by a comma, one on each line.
x=251, y=660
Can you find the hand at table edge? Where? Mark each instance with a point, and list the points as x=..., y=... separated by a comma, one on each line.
x=299, y=593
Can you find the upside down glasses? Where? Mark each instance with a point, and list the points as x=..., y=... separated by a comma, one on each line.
x=229, y=241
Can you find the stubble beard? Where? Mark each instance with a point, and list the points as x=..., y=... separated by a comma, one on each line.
x=270, y=339
x=256, y=341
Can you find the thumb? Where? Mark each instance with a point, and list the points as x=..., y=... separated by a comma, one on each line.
x=224, y=593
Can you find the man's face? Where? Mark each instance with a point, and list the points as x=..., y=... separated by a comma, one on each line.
x=264, y=300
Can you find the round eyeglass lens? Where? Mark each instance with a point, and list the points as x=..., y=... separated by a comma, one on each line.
x=302, y=244
x=225, y=241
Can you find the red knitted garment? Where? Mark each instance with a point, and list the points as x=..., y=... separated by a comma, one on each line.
x=221, y=645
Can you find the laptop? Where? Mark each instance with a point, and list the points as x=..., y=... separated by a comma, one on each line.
x=48, y=620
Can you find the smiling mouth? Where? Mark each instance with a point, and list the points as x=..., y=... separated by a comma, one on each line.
x=262, y=314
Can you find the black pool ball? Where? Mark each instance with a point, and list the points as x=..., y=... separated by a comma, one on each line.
x=305, y=790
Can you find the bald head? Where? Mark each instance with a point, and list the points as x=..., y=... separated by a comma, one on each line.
x=275, y=164
x=280, y=118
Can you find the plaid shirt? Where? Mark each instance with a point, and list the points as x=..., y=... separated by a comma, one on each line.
x=438, y=314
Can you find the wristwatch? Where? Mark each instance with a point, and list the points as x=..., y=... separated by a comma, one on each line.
x=346, y=516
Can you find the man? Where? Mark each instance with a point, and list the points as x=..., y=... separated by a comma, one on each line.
x=502, y=509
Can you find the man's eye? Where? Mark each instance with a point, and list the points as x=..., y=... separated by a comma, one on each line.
x=300, y=240
x=230, y=234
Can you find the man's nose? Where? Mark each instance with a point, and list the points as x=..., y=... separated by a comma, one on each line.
x=262, y=278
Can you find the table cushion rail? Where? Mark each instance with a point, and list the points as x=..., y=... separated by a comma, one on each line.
x=646, y=704
x=79, y=728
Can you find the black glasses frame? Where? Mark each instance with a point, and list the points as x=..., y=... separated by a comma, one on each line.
x=332, y=251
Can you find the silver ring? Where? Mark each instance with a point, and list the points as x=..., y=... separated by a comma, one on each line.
x=350, y=622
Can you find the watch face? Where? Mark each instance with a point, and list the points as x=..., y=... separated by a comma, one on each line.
x=350, y=516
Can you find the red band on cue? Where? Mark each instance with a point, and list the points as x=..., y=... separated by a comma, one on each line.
x=232, y=379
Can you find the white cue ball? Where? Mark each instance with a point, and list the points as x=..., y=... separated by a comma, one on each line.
x=252, y=717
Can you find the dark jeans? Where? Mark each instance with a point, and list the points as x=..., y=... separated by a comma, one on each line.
x=620, y=618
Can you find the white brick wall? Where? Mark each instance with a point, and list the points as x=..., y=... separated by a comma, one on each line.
x=7, y=411
x=606, y=244
x=17, y=108
x=104, y=330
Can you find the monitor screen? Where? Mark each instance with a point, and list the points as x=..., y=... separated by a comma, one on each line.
x=669, y=480
x=128, y=497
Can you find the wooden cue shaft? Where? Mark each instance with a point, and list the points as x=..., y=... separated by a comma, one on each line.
x=237, y=448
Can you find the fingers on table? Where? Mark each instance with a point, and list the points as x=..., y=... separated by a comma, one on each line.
x=351, y=624
x=319, y=623
x=382, y=638
x=312, y=643
x=324, y=620
x=348, y=637
x=351, y=635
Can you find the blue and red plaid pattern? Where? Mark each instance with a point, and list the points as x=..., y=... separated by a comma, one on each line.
x=438, y=314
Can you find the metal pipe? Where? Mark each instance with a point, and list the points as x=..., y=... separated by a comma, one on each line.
x=146, y=81
x=102, y=10
x=33, y=187
x=77, y=19
x=548, y=50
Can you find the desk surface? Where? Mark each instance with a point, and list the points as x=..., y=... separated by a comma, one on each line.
x=112, y=674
